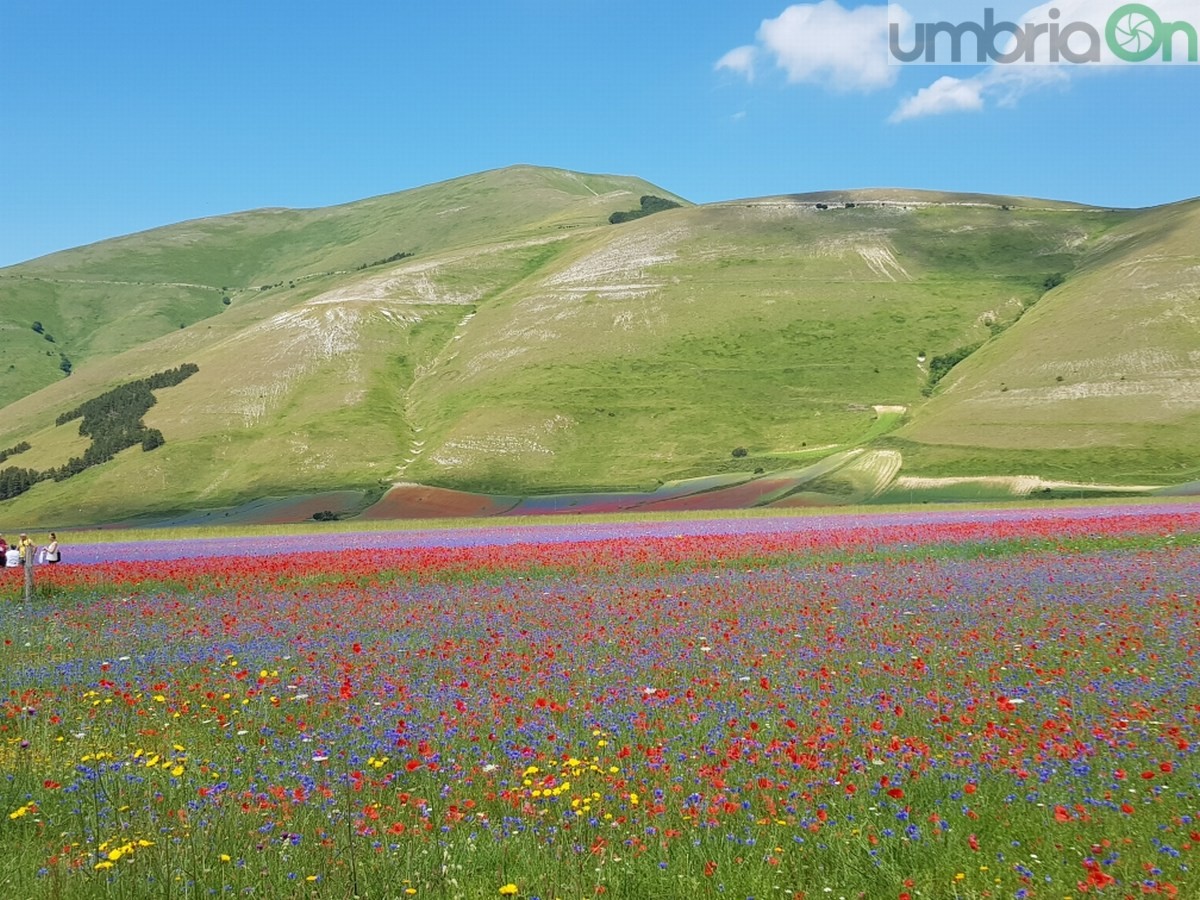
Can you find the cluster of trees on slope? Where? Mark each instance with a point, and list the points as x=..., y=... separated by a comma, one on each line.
x=112, y=420
x=14, y=450
x=63, y=362
x=15, y=480
x=395, y=257
x=940, y=366
x=650, y=206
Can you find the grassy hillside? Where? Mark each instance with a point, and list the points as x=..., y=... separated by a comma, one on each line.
x=769, y=325
x=115, y=295
x=528, y=346
x=1102, y=377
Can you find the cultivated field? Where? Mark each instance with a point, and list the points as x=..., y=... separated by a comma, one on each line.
x=956, y=705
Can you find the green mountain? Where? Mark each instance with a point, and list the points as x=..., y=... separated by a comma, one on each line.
x=497, y=334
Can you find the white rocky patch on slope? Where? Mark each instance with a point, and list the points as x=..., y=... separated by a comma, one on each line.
x=1183, y=311
x=294, y=343
x=1150, y=362
x=521, y=442
x=870, y=246
x=882, y=262
x=421, y=280
x=620, y=269
x=1171, y=390
x=414, y=283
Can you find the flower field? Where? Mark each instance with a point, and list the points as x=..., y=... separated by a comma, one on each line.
x=997, y=707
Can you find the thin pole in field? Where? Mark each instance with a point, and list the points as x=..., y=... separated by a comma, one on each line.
x=28, y=611
x=29, y=574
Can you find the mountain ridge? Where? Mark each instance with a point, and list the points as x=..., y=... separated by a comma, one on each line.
x=522, y=345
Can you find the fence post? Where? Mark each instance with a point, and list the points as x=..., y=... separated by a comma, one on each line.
x=30, y=552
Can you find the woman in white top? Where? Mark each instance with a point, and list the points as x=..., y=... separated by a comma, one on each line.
x=52, y=553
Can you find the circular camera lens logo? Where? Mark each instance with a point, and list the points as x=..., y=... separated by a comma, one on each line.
x=1134, y=32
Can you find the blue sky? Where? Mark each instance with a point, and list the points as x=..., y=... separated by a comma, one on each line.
x=122, y=116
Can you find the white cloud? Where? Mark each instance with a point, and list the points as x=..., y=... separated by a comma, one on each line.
x=1001, y=85
x=822, y=43
x=827, y=44
x=739, y=60
x=1005, y=85
x=943, y=96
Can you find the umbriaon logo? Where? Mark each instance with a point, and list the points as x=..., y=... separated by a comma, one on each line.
x=1136, y=33
x=1133, y=33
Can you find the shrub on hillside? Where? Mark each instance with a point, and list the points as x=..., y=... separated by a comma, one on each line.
x=395, y=257
x=940, y=366
x=649, y=206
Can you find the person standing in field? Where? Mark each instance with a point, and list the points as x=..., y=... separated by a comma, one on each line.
x=24, y=548
x=53, y=554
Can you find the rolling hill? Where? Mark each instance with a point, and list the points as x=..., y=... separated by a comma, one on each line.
x=495, y=334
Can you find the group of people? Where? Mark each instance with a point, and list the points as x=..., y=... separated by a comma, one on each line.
x=13, y=555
